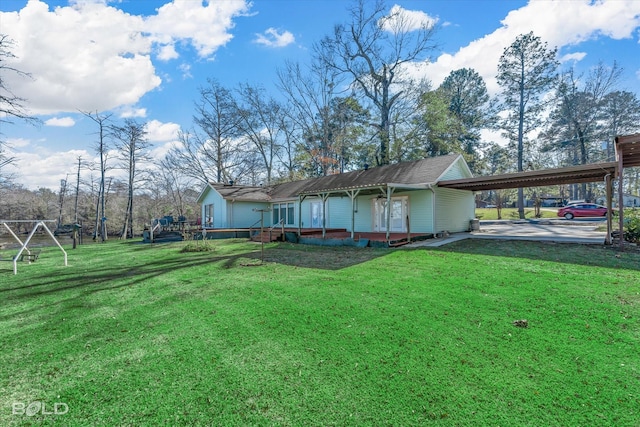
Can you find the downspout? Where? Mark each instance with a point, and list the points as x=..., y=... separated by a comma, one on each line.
x=388, y=218
x=607, y=186
x=352, y=195
x=433, y=209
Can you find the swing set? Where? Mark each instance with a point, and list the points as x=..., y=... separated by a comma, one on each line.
x=25, y=252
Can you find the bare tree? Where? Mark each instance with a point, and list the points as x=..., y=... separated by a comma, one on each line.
x=133, y=145
x=372, y=50
x=526, y=71
x=101, y=147
x=12, y=106
x=260, y=124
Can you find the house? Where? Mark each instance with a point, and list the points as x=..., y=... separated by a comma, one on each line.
x=628, y=201
x=398, y=198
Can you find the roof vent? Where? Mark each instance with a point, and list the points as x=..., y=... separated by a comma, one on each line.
x=230, y=182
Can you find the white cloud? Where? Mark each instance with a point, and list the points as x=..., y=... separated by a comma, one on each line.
x=185, y=69
x=576, y=56
x=274, y=38
x=205, y=24
x=45, y=169
x=400, y=19
x=167, y=52
x=559, y=23
x=131, y=112
x=18, y=142
x=90, y=56
x=162, y=132
x=64, y=122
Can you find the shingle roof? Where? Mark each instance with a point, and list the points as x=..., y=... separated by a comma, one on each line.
x=242, y=193
x=425, y=171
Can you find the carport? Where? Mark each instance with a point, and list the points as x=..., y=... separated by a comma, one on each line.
x=627, y=149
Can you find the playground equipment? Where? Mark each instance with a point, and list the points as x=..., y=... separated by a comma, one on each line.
x=30, y=255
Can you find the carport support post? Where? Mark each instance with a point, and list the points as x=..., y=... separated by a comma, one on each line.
x=352, y=195
x=607, y=185
x=621, y=200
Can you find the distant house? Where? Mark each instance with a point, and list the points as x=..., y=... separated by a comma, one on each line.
x=395, y=198
x=628, y=200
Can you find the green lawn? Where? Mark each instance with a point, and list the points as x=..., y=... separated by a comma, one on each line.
x=146, y=335
x=512, y=213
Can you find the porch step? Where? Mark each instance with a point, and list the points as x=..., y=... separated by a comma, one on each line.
x=267, y=236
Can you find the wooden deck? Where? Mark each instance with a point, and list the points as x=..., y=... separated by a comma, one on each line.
x=333, y=236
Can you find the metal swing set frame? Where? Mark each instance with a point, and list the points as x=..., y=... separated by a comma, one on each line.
x=24, y=245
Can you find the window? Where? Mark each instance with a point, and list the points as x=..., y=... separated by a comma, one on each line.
x=283, y=211
x=208, y=215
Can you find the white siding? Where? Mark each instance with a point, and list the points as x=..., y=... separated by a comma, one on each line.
x=456, y=171
x=219, y=207
x=242, y=214
x=421, y=211
x=454, y=210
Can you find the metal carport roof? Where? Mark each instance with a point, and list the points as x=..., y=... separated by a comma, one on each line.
x=569, y=175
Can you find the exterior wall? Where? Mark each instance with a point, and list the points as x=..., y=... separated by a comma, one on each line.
x=337, y=213
x=457, y=171
x=421, y=211
x=242, y=214
x=228, y=214
x=219, y=208
x=454, y=209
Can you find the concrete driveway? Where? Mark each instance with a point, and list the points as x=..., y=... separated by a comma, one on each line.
x=555, y=230
x=550, y=230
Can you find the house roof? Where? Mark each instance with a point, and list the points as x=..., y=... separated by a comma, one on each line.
x=628, y=147
x=541, y=178
x=425, y=171
x=416, y=173
x=242, y=193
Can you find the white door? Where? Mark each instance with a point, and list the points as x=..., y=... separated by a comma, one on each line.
x=399, y=211
x=317, y=214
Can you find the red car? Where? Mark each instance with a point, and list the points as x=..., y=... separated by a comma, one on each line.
x=582, y=209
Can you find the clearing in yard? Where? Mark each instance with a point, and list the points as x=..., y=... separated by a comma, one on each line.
x=473, y=333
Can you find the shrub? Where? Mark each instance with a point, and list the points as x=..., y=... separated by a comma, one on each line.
x=632, y=225
x=198, y=246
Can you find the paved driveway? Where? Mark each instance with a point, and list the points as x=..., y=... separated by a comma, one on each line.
x=552, y=230
x=582, y=231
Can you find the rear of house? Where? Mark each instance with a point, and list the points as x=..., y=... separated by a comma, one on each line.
x=397, y=198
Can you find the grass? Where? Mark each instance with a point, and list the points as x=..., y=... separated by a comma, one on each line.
x=512, y=213
x=147, y=335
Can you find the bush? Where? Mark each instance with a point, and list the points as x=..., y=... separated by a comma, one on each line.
x=632, y=225
x=198, y=246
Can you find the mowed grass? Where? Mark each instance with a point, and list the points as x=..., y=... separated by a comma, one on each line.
x=512, y=213
x=146, y=335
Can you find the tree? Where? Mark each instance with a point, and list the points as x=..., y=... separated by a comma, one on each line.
x=260, y=124
x=12, y=106
x=372, y=50
x=213, y=151
x=619, y=115
x=526, y=71
x=469, y=102
x=101, y=147
x=217, y=116
x=133, y=145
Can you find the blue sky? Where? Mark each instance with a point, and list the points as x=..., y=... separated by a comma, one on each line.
x=147, y=58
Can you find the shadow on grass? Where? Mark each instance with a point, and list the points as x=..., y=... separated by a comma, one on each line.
x=321, y=257
x=113, y=276
x=570, y=253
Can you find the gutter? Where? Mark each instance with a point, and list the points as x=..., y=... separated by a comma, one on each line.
x=433, y=208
